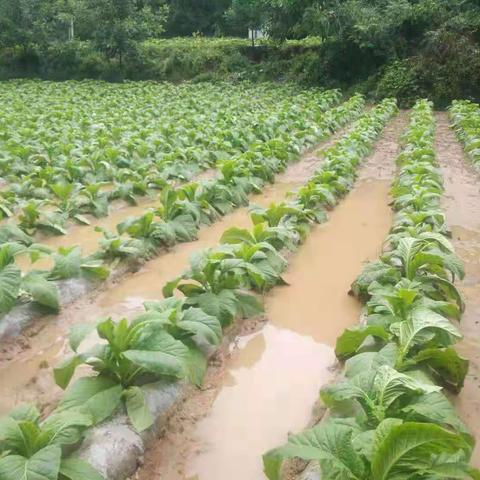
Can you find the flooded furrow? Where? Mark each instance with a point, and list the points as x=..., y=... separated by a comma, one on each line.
x=86, y=237
x=268, y=382
x=462, y=207
x=26, y=362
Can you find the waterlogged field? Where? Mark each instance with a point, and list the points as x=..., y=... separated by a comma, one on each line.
x=183, y=267
x=71, y=153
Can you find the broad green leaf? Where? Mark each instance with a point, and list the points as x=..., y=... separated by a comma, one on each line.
x=30, y=435
x=449, y=367
x=237, y=235
x=10, y=279
x=12, y=437
x=404, y=441
x=63, y=373
x=43, y=465
x=434, y=407
x=9, y=232
x=376, y=390
x=422, y=322
x=449, y=290
x=184, y=227
x=67, y=264
x=195, y=364
x=362, y=362
x=62, y=190
x=207, y=327
x=78, y=469
x=249, y=305
x=158, y=352
x=25, y=412
x=94, y=271
x=374, y=272
x=100, y=396
x=389, y=385
x=330, y=443
x=383, y=430
x=78, y=333
x=42, y=291
x=222, y=305
x=170, y=362
x=63, y=428
x=170, y=287
x=164, y=305
x=352, y=338
x=81, y=219
x=137, y=409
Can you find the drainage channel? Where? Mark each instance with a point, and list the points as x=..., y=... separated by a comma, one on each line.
x=266, y=385
x=26, y=363
x=462, y=208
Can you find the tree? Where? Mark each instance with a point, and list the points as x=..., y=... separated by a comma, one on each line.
x=187, y=17
x=119, y=24
x=20, y=23
x=246, y=14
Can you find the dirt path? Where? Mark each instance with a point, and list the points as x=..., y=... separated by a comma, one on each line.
x=462, y=207
x=267, y=383
x=26, y=362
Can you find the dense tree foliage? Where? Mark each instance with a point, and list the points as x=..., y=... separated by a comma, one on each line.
x=189, y=17
x=124, y=22
x=386, y=47
x=113, y=26
x=391, y=27
x=244, y=14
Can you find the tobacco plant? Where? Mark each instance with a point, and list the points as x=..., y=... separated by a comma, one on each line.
x=166, y=343
x=465, y=116
x=216, y=283
x=394, y=450
x=35, y=449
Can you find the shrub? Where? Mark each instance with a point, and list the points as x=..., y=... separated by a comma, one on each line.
x=399, y=80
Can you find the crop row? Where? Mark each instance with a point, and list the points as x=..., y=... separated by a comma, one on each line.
x=388, y=417
x=68, y=157
x=465, y=116
x=177, y=218
x=183, y=210
x=173, y=338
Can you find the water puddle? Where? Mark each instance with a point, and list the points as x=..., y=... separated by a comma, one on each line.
x=315, y=303
x=274, y=374
x=272, y=380
x=462, y=207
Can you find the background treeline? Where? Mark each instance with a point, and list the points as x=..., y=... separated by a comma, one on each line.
x=406, y=48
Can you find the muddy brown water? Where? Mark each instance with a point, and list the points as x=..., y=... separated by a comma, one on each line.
x=270, y=381
x=26, y=362
x=462, y=207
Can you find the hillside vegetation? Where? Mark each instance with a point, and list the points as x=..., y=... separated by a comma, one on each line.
x=402, y=48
